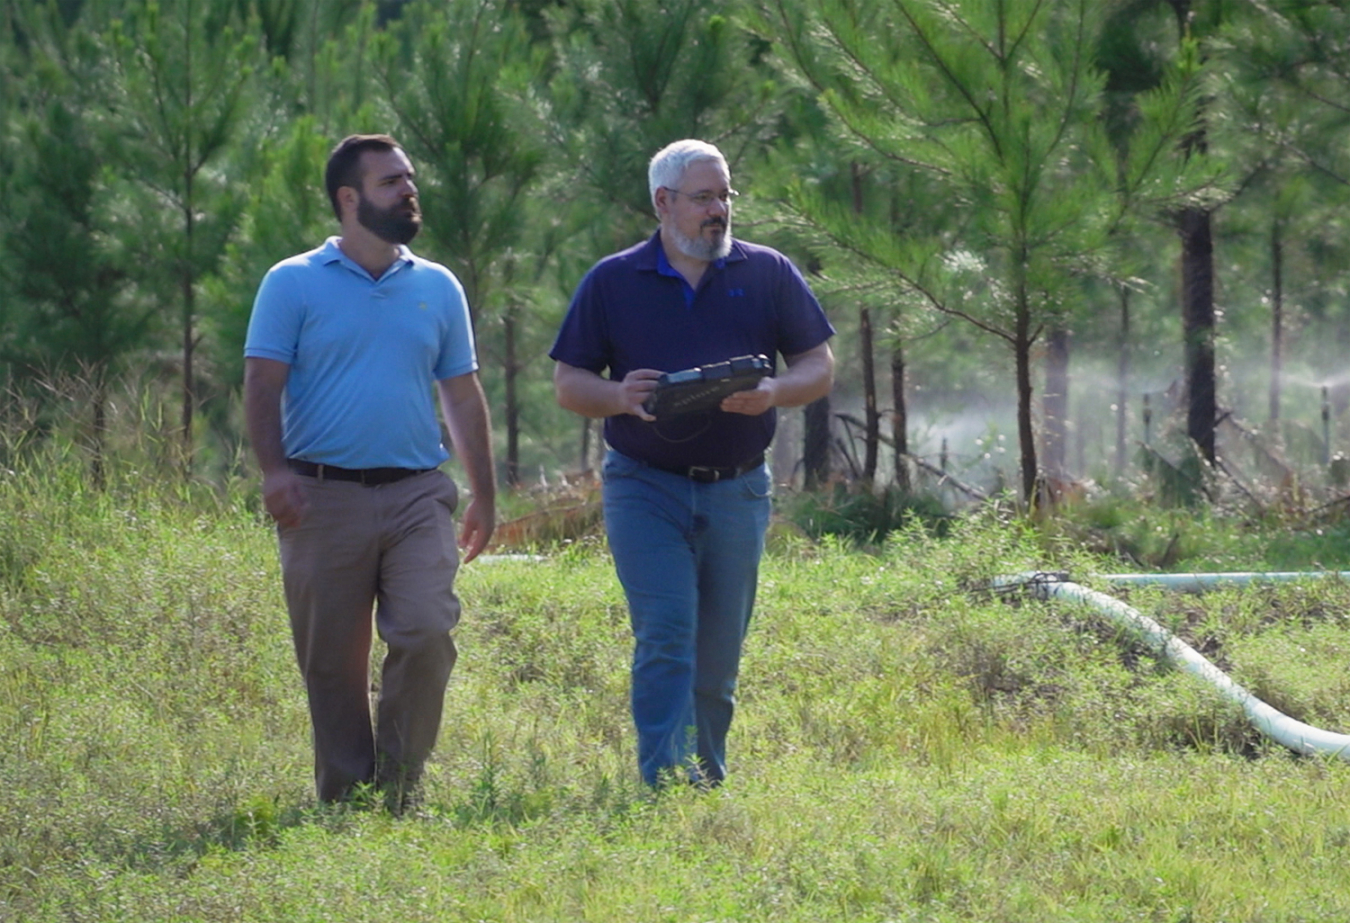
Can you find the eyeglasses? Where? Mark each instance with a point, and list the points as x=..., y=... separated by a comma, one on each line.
x=705, y=198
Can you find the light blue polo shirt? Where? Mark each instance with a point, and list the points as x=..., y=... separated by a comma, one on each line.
x=364, y=355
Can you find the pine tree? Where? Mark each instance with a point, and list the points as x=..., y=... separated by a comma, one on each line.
x=69, y=313
x=999, y=104
x=287, y=211
x=1284, y=107
x=183, y=71
x=457, y=77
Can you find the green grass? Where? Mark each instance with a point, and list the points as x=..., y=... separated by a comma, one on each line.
x=909, y=747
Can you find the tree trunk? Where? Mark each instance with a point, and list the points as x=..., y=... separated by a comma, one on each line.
x=816, y=448
x=189, y=387
x=872, y=421
x=1195, y=226
x=1025, y=432
x=1022, y=341
x=1276, y=321
x=1197, y=311
x=188, y=323
x=900, y=418
x=97, y=473
x=585, y=444
x=189, y=252
x=1123, y=383
x=1055, y=408
x=510, y=372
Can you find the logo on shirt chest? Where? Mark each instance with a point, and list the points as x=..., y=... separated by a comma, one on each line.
x=735, y=293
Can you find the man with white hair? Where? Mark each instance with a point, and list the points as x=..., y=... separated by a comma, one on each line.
x=687, y=498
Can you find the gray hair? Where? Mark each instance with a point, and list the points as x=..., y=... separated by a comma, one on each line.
x=668, y=164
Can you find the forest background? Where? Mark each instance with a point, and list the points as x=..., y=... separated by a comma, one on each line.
x=1061, y=240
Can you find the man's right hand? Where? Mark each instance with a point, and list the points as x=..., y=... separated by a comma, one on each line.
x=284, y=497
x=587, y=393
x=634, y=390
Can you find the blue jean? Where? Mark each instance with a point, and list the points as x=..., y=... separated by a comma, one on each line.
x=687, y=554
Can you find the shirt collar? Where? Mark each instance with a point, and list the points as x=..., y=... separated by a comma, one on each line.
x=652, y=256
x=330, y=252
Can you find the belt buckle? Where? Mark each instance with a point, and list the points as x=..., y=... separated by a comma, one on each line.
x=704, y=474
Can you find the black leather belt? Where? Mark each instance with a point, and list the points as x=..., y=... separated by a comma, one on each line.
x=707, y=474
x=367, y=477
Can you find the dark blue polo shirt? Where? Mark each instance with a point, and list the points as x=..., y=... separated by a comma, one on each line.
x=633, y=311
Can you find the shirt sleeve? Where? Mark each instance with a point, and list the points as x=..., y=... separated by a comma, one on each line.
x=583, y=339
x=459, y=355
x=803, y=324
x=274, y=325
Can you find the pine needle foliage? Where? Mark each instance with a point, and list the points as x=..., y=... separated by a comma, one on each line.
x=998, y=106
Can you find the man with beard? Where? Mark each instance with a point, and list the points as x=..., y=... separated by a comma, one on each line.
x=687, y=499
x=346, y=346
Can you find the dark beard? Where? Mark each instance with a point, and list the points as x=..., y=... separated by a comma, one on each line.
x=395, y=225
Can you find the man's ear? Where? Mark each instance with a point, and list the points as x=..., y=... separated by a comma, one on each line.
x=348, y=198
x=661, y=201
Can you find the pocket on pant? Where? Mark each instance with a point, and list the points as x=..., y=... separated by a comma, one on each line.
x=757, y=484
x=617, y=465
x=449, y=493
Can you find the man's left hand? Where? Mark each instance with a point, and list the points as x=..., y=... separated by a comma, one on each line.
x=476, y=527
x=754, y=401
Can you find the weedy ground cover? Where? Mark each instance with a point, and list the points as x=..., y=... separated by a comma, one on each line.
x=909, y=746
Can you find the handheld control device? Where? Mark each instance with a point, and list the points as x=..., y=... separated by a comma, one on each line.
x=703, y=387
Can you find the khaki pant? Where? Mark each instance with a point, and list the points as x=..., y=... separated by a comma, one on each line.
x=390, y=549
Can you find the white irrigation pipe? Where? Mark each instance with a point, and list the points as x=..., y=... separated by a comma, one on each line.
x=1279, y=727
x=1198, y=583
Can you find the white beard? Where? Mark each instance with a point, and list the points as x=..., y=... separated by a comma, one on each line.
x=696, y=248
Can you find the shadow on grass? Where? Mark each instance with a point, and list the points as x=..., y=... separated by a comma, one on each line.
x=257, y=824
x=260, y=823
